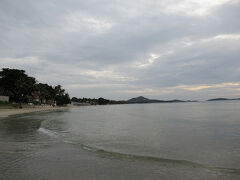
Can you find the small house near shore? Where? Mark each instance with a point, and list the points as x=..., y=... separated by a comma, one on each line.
x=4, y=98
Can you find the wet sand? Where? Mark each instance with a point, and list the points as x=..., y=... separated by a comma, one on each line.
x=5, y=112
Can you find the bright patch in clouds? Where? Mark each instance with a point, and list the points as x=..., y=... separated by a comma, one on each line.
x=149, y=61
x=166, y=91
x=228, y=36
x=195, y=7
x=201, y=87
x=77, y=22
x=93, y=85
x=105, y=75
x=25, y=61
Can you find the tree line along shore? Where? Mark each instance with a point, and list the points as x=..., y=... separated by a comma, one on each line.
x=17, y=89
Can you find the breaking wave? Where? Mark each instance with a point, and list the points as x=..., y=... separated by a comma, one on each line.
x=48, y=132
x=119, y=155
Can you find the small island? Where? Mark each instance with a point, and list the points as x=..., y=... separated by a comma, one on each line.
x=223, y=99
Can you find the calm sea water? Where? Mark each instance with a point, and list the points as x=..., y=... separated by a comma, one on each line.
x=196, y=140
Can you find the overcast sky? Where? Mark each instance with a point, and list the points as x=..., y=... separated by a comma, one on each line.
x=118, y=49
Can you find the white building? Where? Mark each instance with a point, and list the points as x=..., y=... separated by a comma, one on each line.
x=4, y=98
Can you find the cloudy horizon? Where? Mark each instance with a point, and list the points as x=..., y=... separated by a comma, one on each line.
x=188, y=49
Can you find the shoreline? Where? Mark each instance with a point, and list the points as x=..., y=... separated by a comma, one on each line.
x=6, y=112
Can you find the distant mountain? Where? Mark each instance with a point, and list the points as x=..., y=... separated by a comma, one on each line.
x=139, y=99
x=142, y=99
x=223, y=99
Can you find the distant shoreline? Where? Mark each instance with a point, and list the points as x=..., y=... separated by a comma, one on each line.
x=10, y=111
x=224, y=99
x=6, y=112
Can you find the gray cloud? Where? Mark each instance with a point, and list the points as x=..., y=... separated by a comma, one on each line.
x=118, y=49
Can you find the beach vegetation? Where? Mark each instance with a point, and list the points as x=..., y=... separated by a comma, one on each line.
x=22, y=88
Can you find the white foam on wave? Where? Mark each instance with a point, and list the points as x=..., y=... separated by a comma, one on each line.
x=48, y=132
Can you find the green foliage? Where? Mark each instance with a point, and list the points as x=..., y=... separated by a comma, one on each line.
x=63, y=99
x=4, y=103
x=16, y=84
x=99, y=101
x=103, y=101
x=44, y=91
x=21, y=88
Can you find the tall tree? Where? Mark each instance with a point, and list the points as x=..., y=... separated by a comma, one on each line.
x=45, y=91
x=60, y=96
x=16, y=84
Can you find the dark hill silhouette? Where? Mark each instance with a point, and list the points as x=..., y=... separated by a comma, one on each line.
x=223, y=99
x=142, y=99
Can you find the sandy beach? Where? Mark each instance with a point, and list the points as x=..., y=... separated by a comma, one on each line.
x=5, y=112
